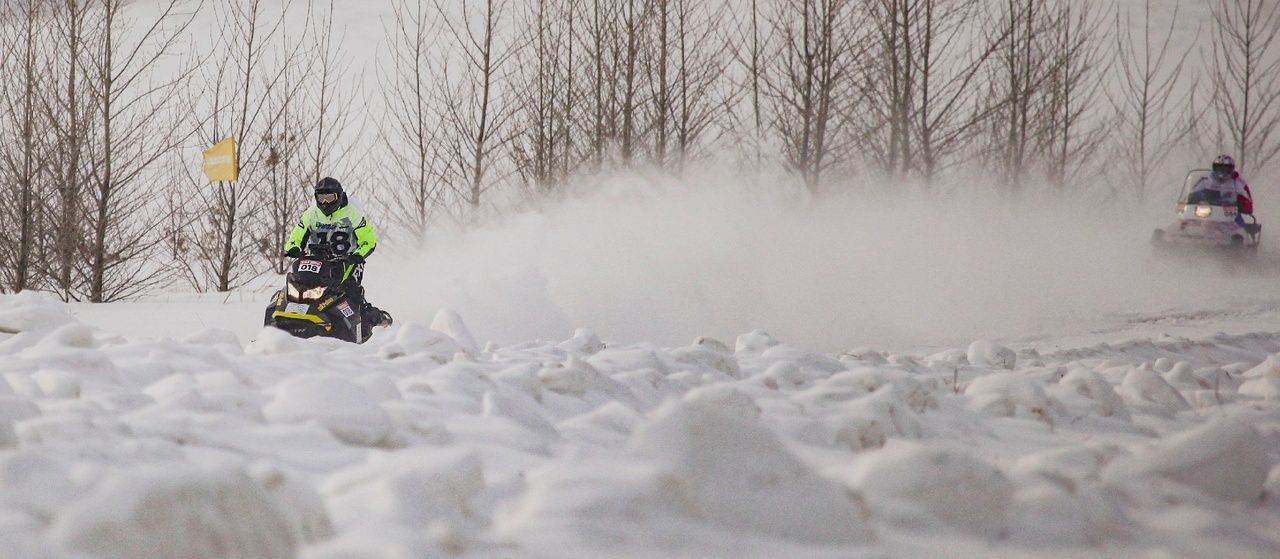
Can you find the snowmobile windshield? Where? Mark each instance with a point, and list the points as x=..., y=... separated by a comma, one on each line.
x=1201, y=187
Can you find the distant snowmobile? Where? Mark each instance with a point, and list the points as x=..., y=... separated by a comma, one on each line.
x=1208, y=221
x=313, y=302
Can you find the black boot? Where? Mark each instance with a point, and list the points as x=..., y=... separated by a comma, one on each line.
x=373, y=316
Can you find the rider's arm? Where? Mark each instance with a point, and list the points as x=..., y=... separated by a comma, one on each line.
x=366, y=239
x=298, y=237
x=1245, y=200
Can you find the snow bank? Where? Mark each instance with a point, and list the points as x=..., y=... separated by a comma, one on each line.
x=1263, y=380
x=341, y=406
x=412, y=488
x=448, y=322
x=1144, y=386
x=1098, y=396
x=417, y=339
x=176, y=510
x=1009, y=394
x=733, y=468
x=29, y=312
x=706, y=460
x=1226, y=458
x=985, y=353
x=423, y=445
x=954, y=486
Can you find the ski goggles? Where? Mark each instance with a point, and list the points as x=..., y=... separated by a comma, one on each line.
x=326, y=197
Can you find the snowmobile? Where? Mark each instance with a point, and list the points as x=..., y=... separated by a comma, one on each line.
x=313, y=302
x=1207, y=222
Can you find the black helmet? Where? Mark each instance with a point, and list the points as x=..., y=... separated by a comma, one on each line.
x=1224, y=166
x=329, y=195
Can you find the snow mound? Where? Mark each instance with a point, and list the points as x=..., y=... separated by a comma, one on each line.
x=754, y=341
x=449, y=323
x=31, y=312
x=162, y=512
x=1264, y=379
x=412, y=488
x=1146, y=386
x=1268, y=368
x=1056, y=514
x=732, y=468
x=1010, y=394
x=1096, y=394
x=705, y=460
x=213, y=337
x=341, y=406
x=583, y=342
x=415, y=338
x=273, y=341
x=1266, y=388
x=990, y=354
x=1225, y=458
x=954, y=486
x=71, y=335
x=297, y=502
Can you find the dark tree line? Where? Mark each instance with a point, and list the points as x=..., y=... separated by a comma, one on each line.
x=478, y=107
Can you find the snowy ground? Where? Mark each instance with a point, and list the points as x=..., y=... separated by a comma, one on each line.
x=193, y=435
x=1112, y=406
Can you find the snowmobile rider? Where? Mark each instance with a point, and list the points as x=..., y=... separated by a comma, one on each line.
x=334, y=221
x=1227, y=183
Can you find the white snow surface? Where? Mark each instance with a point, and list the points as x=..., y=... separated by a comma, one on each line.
x=424, y=443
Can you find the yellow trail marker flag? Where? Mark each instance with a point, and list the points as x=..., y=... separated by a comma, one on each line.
x=221, y=162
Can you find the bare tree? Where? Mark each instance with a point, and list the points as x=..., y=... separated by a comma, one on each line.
x=545, y=98
x=288, y=168
x=1246, y=80
x=1016, y=88
x=1073, y=90
x=633, y=18
x=337, y=132
x=1150, y=73
x=475, y=112
x=69, y=116
x=600, y=77
x=136, y=128
x=233, y=103
x=889, y=83
x=746, y=103
x=409, y=132
x=25, y=162
x=685, y=65
x=917, y=84
x=810, y=81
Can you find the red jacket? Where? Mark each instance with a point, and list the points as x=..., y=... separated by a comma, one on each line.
x=1245, y=201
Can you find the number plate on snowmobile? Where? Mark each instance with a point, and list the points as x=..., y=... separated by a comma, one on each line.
x=345, y=309
x=312, y=266
x=297, y=308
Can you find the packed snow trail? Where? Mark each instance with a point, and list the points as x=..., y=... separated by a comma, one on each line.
x=425, y=443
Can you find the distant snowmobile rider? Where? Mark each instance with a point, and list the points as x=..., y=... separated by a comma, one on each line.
x=334, y=221
x=1227, y=181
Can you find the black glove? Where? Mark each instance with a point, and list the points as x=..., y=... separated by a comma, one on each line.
x=294, y=252
x=354, y=258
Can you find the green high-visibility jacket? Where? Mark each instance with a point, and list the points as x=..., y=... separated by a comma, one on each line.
x=346, y=230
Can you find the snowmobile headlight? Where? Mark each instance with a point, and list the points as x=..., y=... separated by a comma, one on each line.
x=293, y=292
x=1204, y=211
x=313, y=293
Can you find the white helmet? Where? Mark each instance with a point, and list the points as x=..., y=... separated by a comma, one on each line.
x=1224, y=166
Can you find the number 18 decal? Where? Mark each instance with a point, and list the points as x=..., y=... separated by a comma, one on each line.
x=339, y=241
